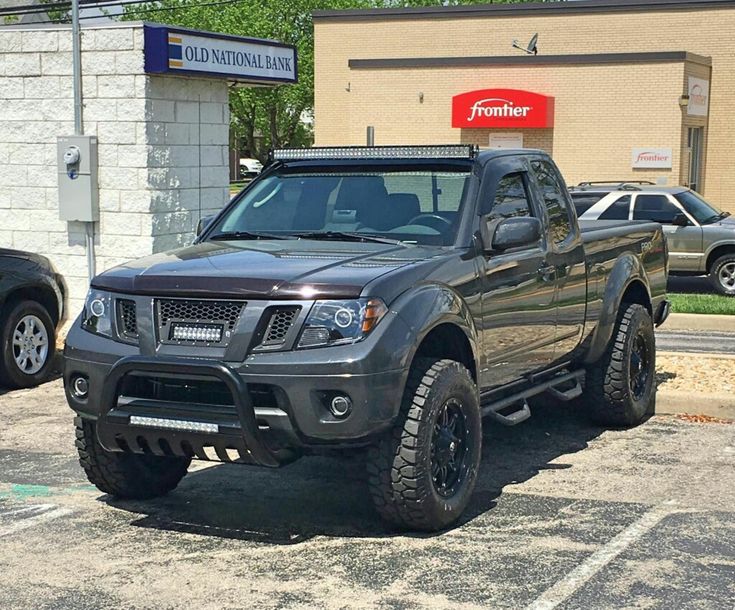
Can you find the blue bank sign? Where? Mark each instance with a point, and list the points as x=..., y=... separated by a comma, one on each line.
x=189, y=52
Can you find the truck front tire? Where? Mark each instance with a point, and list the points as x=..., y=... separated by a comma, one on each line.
x=126, y=475
x=620, y=388
x=421, y=475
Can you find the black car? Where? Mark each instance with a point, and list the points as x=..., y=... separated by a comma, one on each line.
x=31, y=308
x=378, y=298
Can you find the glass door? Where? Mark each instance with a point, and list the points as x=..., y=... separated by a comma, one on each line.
x=695, y=157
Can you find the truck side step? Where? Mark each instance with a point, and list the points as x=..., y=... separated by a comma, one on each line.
x=516, y=417
x=566, y=395
x=492, y=408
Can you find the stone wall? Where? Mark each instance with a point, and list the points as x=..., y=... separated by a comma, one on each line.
x=163, y=145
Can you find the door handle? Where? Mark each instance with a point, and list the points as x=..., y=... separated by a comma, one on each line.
x=547, y=272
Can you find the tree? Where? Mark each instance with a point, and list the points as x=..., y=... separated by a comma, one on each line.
x=265, y=118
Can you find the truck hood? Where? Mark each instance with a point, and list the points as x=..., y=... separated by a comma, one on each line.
x=272, y=269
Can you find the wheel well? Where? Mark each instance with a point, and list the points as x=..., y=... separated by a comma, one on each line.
x=41, y=295
x=449, y=341
x=717, y=253
x=636, y=293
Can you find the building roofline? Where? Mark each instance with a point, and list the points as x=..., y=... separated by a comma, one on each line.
x=527, y=9
x=655, y=57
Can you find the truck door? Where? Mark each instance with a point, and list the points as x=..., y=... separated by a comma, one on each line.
x=518, y=314
x=565, y=260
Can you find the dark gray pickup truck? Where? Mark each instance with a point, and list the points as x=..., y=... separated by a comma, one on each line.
x=384, y=299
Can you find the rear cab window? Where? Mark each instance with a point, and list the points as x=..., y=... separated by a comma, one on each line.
x=554, y=199
x=618, y=209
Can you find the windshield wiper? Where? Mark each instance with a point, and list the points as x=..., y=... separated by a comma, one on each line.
x=245, y=235
x=347, y=236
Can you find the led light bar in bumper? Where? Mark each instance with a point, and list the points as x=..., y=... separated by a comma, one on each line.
x=173, y=424
x=444, y=151
x=210, y=333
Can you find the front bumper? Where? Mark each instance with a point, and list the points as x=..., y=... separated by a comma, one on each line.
x=278, y=402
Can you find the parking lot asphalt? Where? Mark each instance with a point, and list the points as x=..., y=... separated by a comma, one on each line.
x=565, y=515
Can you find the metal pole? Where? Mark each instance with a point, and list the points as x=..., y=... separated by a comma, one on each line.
x=76, y=50
x=371, y=135
x=76, y=54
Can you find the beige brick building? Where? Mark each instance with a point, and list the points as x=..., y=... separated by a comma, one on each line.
x=626, y=78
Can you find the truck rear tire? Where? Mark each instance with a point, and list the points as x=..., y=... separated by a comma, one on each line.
x=126, y=475
x=722, y=275
x=620, y=388
x=421, y=475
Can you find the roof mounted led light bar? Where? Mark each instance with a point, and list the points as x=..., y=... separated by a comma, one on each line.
x=447, y=151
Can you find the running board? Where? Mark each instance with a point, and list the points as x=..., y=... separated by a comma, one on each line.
x=492, y=409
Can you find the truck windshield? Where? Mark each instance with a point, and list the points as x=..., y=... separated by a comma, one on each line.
x=413, y=206
x=703, y=212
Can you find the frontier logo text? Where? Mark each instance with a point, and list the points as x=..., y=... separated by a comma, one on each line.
x=496, y=107
x=651, y=157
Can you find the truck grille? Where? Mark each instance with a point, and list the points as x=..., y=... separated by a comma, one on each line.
x=127, y=319
x=281, y=321
x=197, y=322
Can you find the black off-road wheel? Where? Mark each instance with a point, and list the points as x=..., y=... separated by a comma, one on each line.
x=27, y=344
x=620, y=388
x=421, y=475
x=126, y=475
x=722, y=275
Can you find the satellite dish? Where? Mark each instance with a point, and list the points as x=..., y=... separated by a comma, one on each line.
x=531, y=48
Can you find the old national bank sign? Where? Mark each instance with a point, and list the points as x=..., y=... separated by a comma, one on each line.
x=189, y=52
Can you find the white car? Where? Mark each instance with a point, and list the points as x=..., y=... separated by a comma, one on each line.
x=249, y=168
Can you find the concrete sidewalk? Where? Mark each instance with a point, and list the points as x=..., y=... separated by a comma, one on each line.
x=694, y=322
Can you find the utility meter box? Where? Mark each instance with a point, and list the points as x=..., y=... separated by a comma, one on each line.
x=77, y=168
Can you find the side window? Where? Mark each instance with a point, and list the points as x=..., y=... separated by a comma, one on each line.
x=556, y=203
x=654, y=207
x=511, y=198
x=584, y=201
x=619, y=210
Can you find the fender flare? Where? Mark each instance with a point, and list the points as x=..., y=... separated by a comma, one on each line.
x=428, y=306
x=626, y=271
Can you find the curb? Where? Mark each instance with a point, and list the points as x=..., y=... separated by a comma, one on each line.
x=694, y=321
x=721, y=406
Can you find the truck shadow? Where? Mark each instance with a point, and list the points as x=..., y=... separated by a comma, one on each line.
x=328, y=496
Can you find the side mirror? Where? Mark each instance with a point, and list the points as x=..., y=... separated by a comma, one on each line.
x=680, y=220
x=508, y=233
x=203, y=223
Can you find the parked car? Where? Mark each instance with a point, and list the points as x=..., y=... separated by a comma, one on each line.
x=701, y=238
x=31, y=307
x=249, y=168
x=384, y=298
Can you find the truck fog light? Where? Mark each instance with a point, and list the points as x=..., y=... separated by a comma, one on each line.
x=80, y=387
x=340, y=406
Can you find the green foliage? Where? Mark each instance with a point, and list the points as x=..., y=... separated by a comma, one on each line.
x=265, y=118
x=702, y=303
x=57, y=15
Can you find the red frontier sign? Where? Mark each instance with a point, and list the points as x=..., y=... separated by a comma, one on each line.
x=504, y=108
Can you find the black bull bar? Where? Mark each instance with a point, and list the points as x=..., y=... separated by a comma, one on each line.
x=116, y=433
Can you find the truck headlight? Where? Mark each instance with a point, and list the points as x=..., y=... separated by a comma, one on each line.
x=97, y=313
x=341, y=322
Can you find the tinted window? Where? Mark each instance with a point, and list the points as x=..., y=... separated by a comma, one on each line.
x=584, y=201
x=554, y=199
x=619, y=210
x=511, y=198
x=654, y=207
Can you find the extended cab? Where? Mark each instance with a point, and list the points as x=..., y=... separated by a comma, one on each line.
x=386, y=298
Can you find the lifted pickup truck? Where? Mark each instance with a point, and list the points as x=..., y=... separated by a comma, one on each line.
x=386, y=298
